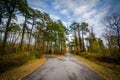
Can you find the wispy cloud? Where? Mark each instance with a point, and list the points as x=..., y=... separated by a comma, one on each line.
x=64, y=11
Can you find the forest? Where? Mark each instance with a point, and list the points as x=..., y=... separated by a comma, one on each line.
x=39, y=35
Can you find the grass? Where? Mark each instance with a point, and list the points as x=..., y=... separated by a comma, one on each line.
x=109, y=65
x=22, y=71
x=106, y=73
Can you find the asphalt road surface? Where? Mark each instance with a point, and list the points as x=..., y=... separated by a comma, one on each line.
x=64, y=68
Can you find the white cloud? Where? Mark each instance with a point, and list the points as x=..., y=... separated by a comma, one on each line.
x=54, y=17
x=20, y=19
x=64, y=11
x=96, y=22
x=90, y=14
x=36, y=3
x=65, y=4
x=77, y=6
x=80, y=10
x=66, y=24
x=56, y=7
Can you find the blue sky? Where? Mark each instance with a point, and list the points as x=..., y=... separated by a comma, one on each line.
x=91, y=11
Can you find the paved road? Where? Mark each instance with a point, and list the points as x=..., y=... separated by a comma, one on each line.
x=64, y=68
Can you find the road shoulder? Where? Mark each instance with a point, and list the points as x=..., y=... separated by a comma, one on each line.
x=22, y=71
x=105, y=72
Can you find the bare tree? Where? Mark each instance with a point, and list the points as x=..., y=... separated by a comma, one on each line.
x=113, y=26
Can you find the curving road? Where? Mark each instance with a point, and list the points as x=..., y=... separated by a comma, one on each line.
x=64, y=68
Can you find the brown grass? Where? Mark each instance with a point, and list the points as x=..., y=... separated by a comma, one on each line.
x=109, y=65
x=22, y=71
x=106, y=73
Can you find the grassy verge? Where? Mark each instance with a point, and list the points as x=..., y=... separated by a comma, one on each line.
x=104, y=60
x=106, y=73
x=22, y=71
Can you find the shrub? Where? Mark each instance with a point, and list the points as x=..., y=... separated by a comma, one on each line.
x=101, y=57
x=8, y=61
x=91, y=56
x=36, y=53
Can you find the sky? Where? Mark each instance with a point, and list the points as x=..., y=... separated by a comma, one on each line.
x=91, y=11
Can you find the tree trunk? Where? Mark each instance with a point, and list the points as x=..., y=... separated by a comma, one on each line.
x=83, y=46
x=1, y=18
x=61, y=47
x=76, y=43
x=10, y=35
x=13, y=38
x=6, y=32
x=79, y=39
x=47, y=47
x=30, y=35
x=23, y=33
x=16, y=38
x=55, y=46
x=118, y=40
